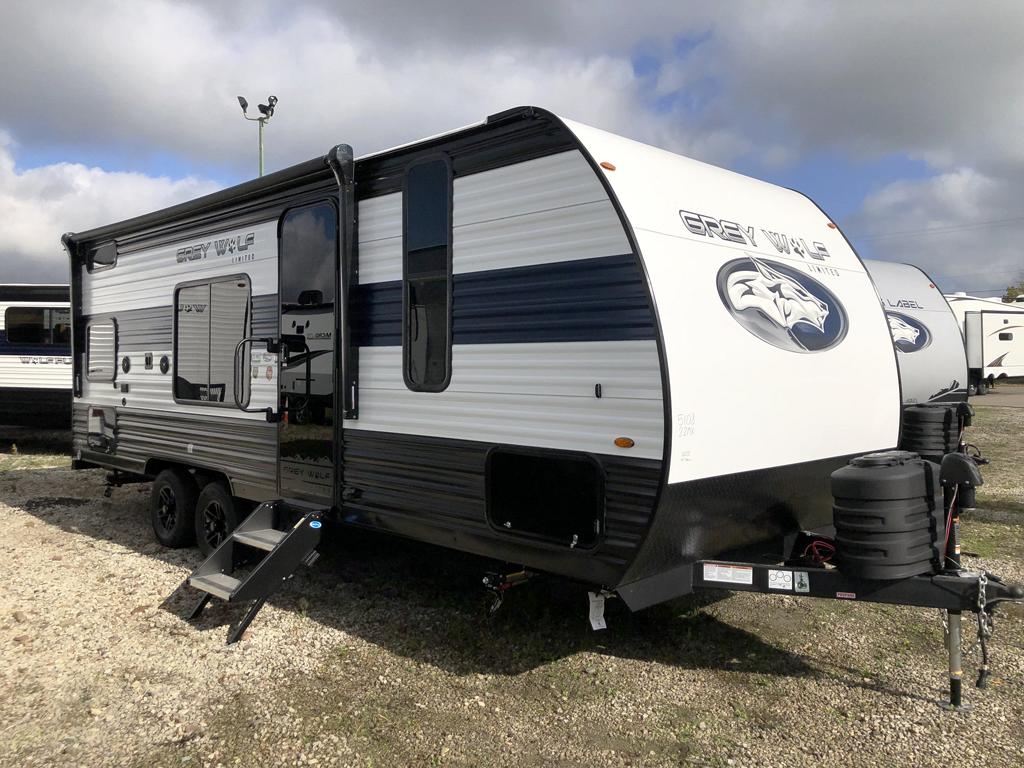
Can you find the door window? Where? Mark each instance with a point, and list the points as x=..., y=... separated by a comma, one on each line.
x=308, y=280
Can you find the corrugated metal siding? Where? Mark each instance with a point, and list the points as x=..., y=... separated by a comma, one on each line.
x=598, y=299
x=244, y=450
x=587, y=300
x=147, y=278
x=544, y=184
x=380, y=238
x=143, y=330
x=442, y=483
x=550, y=209
x=530, y=394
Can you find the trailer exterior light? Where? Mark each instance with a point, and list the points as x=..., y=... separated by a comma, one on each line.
x=607, y=166
x=832, y=226
x=624, y=442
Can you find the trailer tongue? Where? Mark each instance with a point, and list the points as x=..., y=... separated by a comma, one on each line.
x=888, y=532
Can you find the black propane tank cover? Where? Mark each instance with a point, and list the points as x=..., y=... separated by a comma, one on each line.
x=888, y=515
x=931, y=430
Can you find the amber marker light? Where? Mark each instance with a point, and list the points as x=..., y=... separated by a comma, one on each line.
x=624, y=442
x=607, y=166
x=831, y=225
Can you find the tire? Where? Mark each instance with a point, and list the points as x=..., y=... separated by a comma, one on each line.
x=216, y=516
x=171, y=504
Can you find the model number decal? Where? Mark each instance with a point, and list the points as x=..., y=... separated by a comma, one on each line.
x=734, y=232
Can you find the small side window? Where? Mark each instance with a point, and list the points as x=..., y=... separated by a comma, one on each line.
x=1006, y=337
x=101, y=352
x=102, y=257
x=38, y=326
x=427, y=276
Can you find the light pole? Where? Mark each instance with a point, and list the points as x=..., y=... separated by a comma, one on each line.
x=267, y=112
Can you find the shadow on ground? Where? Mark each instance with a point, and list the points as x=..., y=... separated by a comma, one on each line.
x=30, y=440
x=420, y=601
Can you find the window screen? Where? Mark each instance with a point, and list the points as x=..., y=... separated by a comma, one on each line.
x=102, y=352
x=427, y=273
x=209, y=321
x=38, y=326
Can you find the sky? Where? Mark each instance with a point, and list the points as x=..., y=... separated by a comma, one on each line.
x=904, y=121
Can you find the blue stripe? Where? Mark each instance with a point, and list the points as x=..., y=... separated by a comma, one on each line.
x=600, y=299
x=31, y=350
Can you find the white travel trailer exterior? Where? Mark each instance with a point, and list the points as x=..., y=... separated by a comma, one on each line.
x=925, y=333
x=35, y=355
x=515, y=321
x=993, y=333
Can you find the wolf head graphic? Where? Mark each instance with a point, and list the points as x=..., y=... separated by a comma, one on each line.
x=902, y=330
x=778, y=297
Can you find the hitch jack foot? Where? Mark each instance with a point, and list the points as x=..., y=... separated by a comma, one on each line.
x=956, y=674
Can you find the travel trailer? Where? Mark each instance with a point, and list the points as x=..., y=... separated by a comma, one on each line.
x=993, y=333
x=497, y=340
x=925, y=333
x=35, y=355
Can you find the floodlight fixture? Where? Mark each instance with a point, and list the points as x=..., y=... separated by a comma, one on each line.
x=266, y=112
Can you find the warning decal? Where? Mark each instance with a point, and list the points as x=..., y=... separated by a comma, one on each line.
x=728, y=574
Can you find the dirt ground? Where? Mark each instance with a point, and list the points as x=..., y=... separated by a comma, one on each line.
x=1003, y=395
x=382, y=655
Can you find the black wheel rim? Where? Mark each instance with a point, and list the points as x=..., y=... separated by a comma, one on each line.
x=215, y=524
x=166, y=508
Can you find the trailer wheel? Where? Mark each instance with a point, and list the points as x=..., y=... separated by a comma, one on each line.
x=172, y=497
x=216, y=516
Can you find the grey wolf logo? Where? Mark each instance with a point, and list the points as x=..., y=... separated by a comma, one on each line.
x=902, y=331
x=781, y=305
x=779, y=298
x=908, y=333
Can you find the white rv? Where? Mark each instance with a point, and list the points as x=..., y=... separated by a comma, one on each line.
x=35, y=355
x=496, y=340
x=993, y=333
x=925, y=334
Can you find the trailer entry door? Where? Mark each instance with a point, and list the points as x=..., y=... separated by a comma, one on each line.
x=307, y=291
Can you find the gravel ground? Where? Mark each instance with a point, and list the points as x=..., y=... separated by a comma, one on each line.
x=381, y=655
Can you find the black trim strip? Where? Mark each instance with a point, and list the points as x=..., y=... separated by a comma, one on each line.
x=600, y=299
x=33, y=293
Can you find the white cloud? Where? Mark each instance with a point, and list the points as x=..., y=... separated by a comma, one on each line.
x=40, y=204
x=962, y=227
x=165, y=75
x=931, y=80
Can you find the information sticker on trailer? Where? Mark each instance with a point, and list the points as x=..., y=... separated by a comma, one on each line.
x=728, y=574
x=782, y=580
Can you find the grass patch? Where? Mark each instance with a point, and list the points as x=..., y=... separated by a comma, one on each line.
x=15, y=461
x=999, y=433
